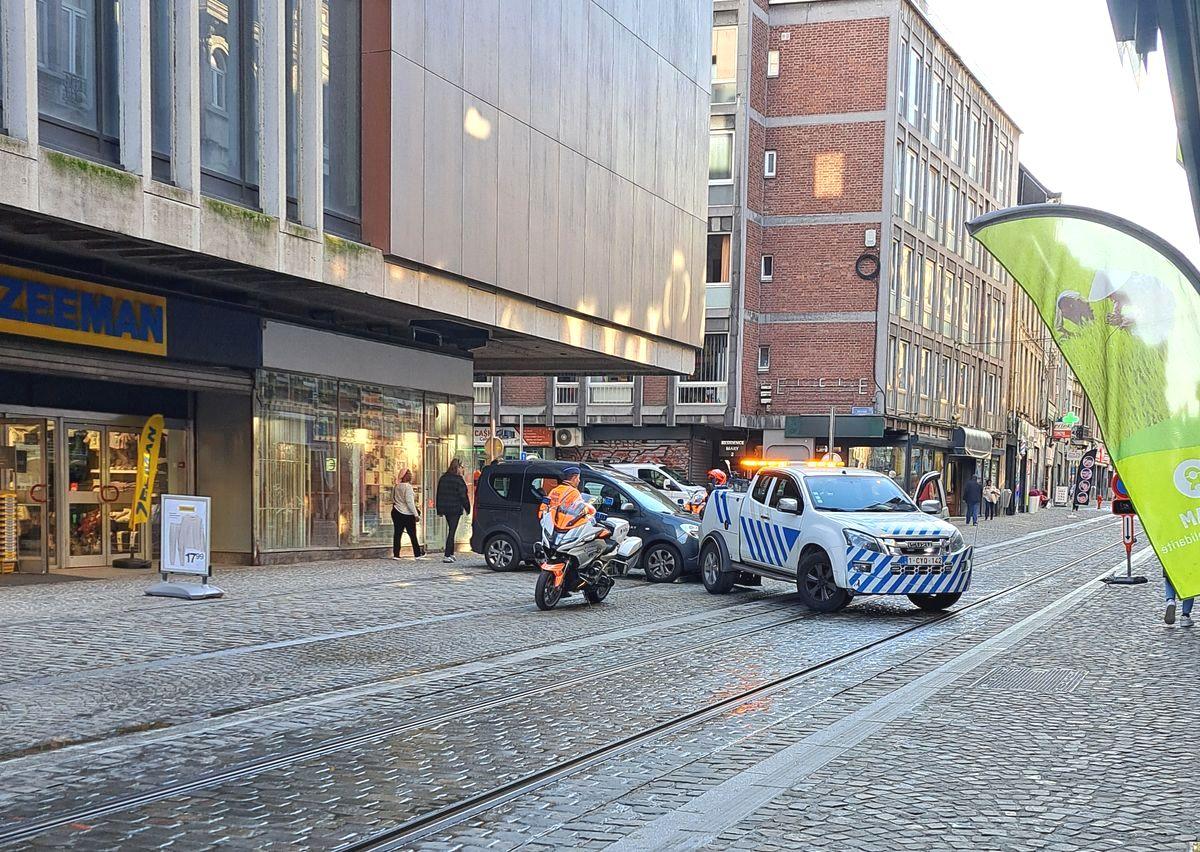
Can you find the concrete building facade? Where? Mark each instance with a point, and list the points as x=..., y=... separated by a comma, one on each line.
x=848, y=145
x=296, y=228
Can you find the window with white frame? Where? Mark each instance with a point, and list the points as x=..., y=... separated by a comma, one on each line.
x=766, y=270
x=764, y=358
x=772, y=63
x=769, y=164
x=720, y=155
x=707, y=384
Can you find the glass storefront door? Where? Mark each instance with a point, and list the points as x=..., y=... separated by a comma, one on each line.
x=30, y=478
x=101, y=474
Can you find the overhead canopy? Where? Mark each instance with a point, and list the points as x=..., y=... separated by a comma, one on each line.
x=971, y=442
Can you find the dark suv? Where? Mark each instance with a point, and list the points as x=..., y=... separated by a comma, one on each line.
x=505, y=527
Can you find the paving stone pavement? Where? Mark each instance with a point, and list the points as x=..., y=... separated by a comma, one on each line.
x=393, y=670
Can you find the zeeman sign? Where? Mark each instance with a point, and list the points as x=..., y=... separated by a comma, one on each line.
x=34, y=304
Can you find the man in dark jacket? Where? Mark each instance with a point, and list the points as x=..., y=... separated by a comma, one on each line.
x=451, y=502
x=972, y=496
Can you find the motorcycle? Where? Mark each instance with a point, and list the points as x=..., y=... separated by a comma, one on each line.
x=584, y=558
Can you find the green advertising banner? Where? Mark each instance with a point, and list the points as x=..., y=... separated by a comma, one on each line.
x=1124, y=308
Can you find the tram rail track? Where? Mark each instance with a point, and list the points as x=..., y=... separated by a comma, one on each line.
x=422, y=826
x=433, y=820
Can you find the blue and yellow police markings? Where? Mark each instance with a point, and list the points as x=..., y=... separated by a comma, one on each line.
x=875, y=573
x=720, y=499
x=770, y=544
x=50, y=307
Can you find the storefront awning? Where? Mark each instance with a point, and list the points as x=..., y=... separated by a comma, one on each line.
x=971, y=442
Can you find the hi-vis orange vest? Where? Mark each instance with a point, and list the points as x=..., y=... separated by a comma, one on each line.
x=567, y=507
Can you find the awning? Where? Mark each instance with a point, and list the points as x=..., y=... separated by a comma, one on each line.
x=971, y=442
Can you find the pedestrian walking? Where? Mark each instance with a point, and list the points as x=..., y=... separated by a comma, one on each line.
x=1185, y=616
x=972, y=495
x=452, y=502
x=991, y=497
x=405, y=514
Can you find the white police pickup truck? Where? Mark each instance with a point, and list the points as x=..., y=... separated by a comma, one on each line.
x=835, y=532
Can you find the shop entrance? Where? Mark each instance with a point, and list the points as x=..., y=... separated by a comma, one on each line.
x=30, y=478
x=74, y=477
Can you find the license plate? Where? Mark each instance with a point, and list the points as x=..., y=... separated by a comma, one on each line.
x=922, y=560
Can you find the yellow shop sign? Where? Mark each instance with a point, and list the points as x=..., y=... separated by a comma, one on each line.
x=35, y=304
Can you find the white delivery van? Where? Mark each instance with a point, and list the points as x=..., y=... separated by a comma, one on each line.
x=673, y=483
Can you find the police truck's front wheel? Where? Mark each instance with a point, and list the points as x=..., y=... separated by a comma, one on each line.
x=716, y=580
x=816, y=584
x=934, y=603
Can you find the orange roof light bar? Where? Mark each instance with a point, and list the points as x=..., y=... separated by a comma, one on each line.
x=756, y=464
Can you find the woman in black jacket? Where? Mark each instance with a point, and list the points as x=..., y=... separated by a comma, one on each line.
x=451, y=501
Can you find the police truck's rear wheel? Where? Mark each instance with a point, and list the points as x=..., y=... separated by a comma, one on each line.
x=716, y=580
x=816, y=584
x=548, y=593
x=936, y=602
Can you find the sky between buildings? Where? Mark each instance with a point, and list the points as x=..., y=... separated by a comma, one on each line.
x=1090, y=128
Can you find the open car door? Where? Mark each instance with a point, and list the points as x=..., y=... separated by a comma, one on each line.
x=932, y=489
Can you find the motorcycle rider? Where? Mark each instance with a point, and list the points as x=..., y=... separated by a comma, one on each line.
x=564, y=508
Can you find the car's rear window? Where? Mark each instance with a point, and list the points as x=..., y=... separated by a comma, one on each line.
x=507, y=486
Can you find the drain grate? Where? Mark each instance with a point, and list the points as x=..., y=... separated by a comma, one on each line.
x=1021, y=679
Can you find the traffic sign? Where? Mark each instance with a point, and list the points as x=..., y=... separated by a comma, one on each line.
x=494, y=447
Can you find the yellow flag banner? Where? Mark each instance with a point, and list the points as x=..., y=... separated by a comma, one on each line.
x=147, y=467
x=1123, y=306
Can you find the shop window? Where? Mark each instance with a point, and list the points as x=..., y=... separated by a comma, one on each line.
x=329, y=454
x=380, y=431
x=297, y=462
x=77, y=77
x=229, y=63
x=341, y=57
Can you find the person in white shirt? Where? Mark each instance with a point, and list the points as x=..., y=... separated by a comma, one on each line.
x=405, y=514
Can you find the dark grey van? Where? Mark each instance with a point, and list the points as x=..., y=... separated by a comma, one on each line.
x=505, y=527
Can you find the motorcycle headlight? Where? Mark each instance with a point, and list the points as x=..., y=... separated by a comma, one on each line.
x=690, y=530
x=955, y=543
x=854, y=538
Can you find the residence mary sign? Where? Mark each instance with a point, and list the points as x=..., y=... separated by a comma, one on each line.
x=34, y=304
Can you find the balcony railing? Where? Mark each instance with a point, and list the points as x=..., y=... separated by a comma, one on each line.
x=702, y=393
x=566, y=393
x=610, y=393
x=483, y=393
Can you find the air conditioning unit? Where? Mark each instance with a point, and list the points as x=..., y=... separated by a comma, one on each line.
x=568, y=437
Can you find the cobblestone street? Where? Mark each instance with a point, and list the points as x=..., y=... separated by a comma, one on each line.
x=317, y=705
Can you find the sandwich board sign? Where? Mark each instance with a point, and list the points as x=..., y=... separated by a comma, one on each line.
x=186, y=545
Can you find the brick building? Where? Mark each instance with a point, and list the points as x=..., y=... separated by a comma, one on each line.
x=848, y=145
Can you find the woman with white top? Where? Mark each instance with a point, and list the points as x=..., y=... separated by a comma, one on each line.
x=405, y=514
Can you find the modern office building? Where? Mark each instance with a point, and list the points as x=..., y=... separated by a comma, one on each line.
x=848, y=145
x=297, y=228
